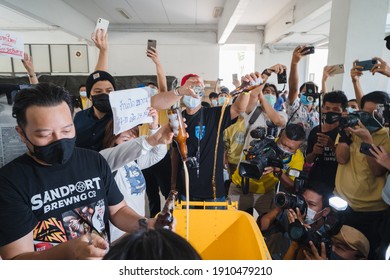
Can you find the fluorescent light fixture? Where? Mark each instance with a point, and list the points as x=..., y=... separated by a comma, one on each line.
x=124, y=13
x=338, y=203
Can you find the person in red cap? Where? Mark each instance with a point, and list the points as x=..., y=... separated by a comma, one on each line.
x=202, y=130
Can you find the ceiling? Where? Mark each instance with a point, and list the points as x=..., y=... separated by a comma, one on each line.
x=284, y=22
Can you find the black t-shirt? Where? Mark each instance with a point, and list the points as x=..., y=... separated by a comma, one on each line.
x=325, y=165
x=90, y=130
x=58, y=203
x=201, y=187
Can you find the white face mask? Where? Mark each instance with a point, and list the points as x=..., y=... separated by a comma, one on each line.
x=310, y=215
x=221, y=101
x=153, y=91
x=83, y=93
x=214, y=102
x=191, y=102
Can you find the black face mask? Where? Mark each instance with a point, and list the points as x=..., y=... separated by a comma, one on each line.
x=56, y=153
x=334, y=256
x=101, y=102
x=371, y=123
x=331, y=117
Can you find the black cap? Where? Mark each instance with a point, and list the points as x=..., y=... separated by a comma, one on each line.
x=96, y=77
x=387, y=39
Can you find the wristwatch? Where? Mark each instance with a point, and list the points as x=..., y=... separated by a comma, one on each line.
x=278, y=174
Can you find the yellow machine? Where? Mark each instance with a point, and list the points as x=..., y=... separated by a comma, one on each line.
x=228, y=234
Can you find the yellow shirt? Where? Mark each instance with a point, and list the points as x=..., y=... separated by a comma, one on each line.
x=355, y=181
x=233, y=138
x=85, y=102
x=267, y=182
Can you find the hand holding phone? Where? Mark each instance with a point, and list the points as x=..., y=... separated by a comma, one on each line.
x=152, y=43
x=365, y=149
x=308, y=50
x=366, y=64
x=336, y=69
x=102, y=24
x=282, y=77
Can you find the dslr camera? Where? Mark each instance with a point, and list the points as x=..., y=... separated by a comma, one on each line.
x=192, y=163
x=290, y=201
x=262, y=152
x=332, y=225
x=353, y=118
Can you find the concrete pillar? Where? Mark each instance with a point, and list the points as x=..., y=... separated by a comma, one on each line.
x=357, y=30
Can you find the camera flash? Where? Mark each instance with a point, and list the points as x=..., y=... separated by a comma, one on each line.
x=338, y=203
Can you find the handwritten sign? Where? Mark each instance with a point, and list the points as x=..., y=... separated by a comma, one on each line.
x=11, y=44
x=130, y=108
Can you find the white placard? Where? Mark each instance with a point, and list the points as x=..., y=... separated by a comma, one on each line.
x=11, y=44
x=130, y=108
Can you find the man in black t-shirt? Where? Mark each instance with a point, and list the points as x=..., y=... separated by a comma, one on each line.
x=202, y=127
x=56, y=200
x=321, y=144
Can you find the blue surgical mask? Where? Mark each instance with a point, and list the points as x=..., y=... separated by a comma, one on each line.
x=351, y=110
x=191, y=102
x=304, y=100
x=83, y=93
x=214, y=102
x=271, y=99
x=221, y=101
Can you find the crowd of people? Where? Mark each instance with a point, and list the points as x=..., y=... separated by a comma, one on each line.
x=80, y=191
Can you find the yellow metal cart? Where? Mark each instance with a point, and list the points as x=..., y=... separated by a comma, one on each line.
x=228, y=234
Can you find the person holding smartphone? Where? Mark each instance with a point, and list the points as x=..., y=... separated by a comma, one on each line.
x=356, y=171
x=298, y=107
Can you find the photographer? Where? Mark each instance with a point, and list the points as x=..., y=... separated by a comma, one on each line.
x=348, y=244
x=274, y=225
x=320, y=145
x=357, y=171
x=261, y=191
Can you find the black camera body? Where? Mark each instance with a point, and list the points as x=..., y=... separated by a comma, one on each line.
x=311, y=95
x=352, y=119
x=192, y=163
x=290, y=201
x=332, y=225
x=261, y=154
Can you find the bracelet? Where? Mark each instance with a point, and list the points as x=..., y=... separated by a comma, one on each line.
x=176, y=91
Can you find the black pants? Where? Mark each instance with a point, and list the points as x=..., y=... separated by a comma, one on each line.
x=158, y=177
x=369, y=223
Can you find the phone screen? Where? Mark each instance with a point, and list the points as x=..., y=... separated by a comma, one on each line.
x=308, y=50
x=152, y=43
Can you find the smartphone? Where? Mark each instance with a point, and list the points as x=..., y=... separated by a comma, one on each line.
x=102, y=24
x=310, y=48
x=235, y=77
x=366, y=64
x=282, y=77
x=365, y=149
x=337, y=69
x=152, y=43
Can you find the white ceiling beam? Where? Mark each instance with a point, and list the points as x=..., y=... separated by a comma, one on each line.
x=232, y=12
x=61, y=15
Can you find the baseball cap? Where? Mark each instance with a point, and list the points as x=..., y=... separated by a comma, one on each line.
x=354, y=239
x=96, y=77
x=186, y=77
x=224, y=90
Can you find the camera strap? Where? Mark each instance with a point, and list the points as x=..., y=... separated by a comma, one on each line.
x=199, y=138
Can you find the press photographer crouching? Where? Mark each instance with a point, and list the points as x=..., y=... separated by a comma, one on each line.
x=285, y=227
x=266, y=163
